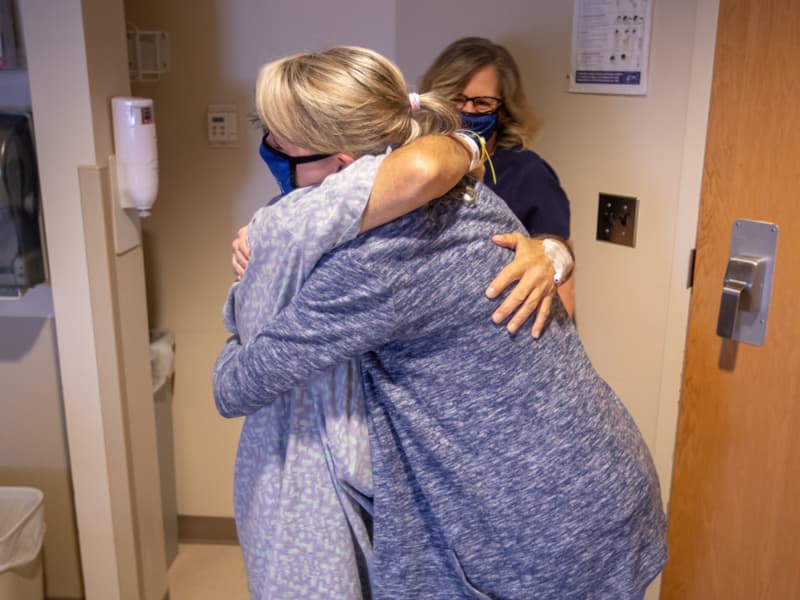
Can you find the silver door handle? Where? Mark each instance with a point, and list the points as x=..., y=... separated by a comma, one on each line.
x=747, y=287
x=743, y=275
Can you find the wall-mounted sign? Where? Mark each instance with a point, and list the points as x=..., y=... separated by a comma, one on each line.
x=610, y=46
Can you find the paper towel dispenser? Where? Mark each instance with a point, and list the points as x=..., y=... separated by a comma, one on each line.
x=21, y=247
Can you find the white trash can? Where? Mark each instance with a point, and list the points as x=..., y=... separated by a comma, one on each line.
x=162, y=369
x=21, y=537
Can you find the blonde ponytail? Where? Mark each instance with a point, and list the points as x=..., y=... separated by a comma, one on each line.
x=346, y=99
x=435, y=115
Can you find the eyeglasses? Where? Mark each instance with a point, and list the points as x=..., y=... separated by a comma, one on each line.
x=481, y=104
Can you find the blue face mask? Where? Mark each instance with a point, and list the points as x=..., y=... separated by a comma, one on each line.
x=483, y=124
x=282, y=166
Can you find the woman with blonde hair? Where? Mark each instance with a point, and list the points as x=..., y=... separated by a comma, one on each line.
x=483, y=81
x=503, y=466
x=303, y=489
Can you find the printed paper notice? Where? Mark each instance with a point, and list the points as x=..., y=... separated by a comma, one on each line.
x=610, y=46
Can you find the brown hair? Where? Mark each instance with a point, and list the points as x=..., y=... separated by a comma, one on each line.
x=450, y=73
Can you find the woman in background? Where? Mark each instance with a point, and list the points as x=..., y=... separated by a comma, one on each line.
x=483, y=81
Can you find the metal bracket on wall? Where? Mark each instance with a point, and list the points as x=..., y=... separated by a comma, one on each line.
x=690, y=274
x=616, y=219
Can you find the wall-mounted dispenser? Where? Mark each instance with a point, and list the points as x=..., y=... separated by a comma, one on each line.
x=21, y=245
x=136, y=153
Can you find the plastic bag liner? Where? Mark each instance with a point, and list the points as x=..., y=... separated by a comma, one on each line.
x=21, y=526
x=162, y=357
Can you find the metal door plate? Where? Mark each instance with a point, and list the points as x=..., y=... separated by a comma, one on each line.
x=759, y=240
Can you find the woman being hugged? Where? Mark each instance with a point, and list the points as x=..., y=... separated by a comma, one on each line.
x=503, y=465
x=303, y=480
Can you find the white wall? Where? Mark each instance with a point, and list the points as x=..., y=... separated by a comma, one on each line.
x=54, y=33
x=33, y=445
x=206, y=194
x=631, y=308
x=77, y=61
x=631, y=304
x=631, y=301
x=685, y=237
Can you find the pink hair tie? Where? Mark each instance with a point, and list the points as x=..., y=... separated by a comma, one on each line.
x=413, y=100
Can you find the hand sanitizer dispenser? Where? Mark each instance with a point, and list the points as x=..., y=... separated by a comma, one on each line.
x=136, y=153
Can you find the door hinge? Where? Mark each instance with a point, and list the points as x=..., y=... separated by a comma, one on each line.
x=690, y=275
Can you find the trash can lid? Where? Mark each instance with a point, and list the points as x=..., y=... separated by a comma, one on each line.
x=21, y=525
x=162, y=357
x=16, y=505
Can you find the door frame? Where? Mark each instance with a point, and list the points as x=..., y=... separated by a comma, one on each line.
x=694, y=145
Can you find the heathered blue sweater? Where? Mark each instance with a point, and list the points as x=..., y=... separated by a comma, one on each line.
x=503, y=466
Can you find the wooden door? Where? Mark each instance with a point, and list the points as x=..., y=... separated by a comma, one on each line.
x=735, y=507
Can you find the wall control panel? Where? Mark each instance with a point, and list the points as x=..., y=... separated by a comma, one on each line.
x=616, y=219
x=223, y=126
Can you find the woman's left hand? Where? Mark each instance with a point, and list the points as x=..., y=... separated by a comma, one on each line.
x=241, y=253
x=534, y=272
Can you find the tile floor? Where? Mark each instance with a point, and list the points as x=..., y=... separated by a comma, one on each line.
x=207, y=572
x=210, y=572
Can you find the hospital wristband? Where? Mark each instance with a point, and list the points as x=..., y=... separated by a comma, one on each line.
x=472, y=145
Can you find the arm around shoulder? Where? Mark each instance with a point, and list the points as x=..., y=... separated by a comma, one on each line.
x=342, y=311
x=413, y=175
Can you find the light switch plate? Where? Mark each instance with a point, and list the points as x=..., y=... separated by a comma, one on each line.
x=616, y=219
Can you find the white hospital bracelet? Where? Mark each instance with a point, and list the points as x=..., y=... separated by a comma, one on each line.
x=560, y=256
x=472, y=145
